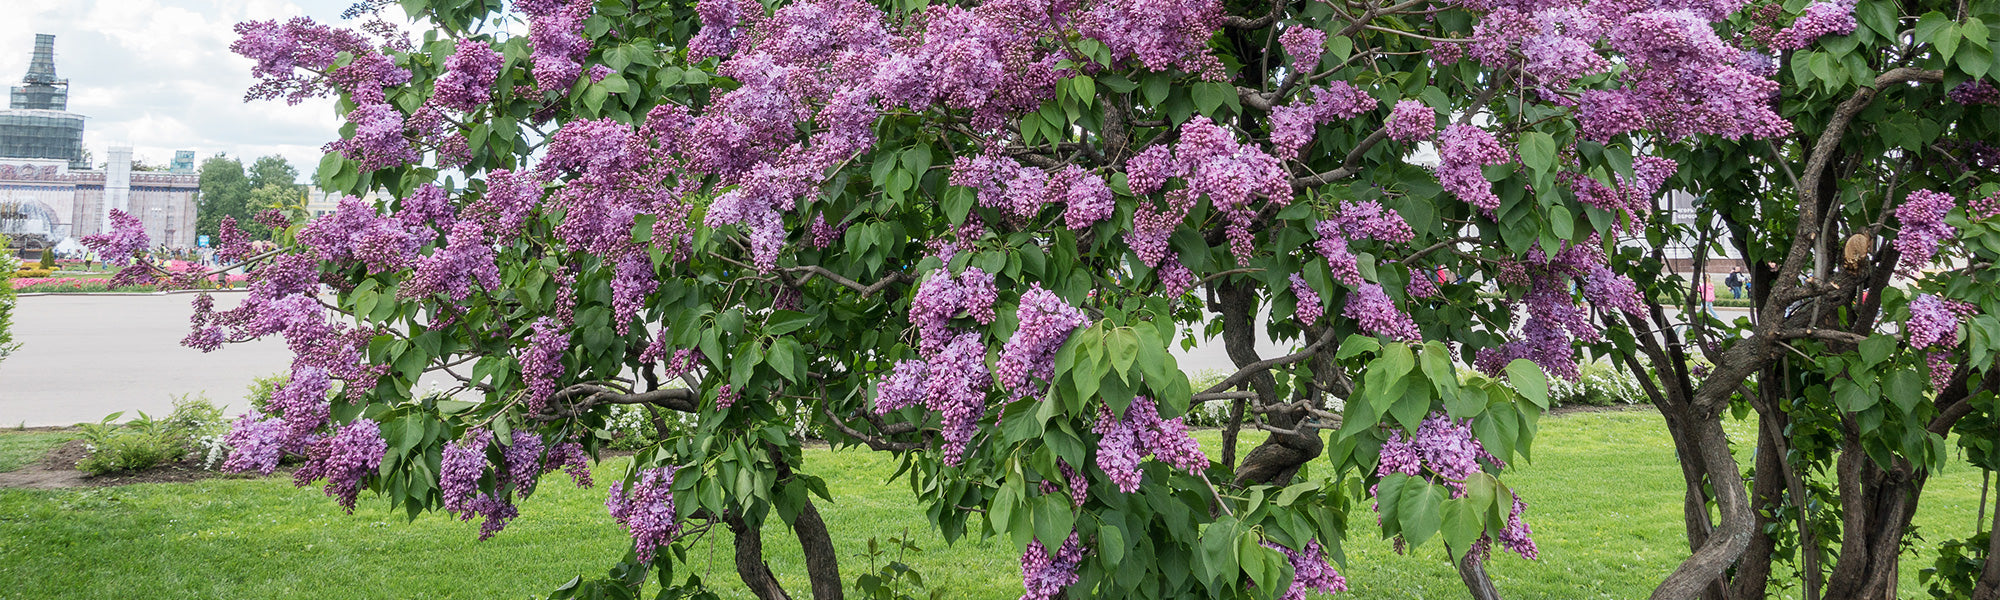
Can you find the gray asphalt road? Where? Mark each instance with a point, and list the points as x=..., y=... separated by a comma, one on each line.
x=83, y=357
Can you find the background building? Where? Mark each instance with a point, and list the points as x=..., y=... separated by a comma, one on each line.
x=48, y=192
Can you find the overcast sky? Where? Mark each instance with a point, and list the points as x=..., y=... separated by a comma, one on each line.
x=158, y=74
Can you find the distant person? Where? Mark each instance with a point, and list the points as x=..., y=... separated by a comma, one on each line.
x=1735, y=283
x=1707, y=292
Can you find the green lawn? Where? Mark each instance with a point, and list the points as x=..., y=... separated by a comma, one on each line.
x=1603, y=494
x=18, y=448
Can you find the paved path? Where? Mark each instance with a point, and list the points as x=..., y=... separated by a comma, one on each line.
x=83, y=357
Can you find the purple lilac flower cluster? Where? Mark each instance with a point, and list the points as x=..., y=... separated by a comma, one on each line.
x=1213, y=164
x=1309, y=307
x=1554, y=316
x=1442, y=446
x=646, y=509
x=541, y=361
x=1292, y=124
x=1021, y=191
x=1358, y=221
x=1312, y=569
x=1043, y=577
x=126, y=239
x=1373, y=311
x=1304, y=45
x=1141, y=433
x=1934, y=321
x=1924, y=229
x=1819, y=19
x=468, y=78
x=1046, y=322
x=1463, y=150
x=345, y=460
x=356, y=232
x=1974, y=93
x=1411, y=121
x=556, y=35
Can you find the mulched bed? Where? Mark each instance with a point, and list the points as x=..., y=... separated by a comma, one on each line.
x=57, y=470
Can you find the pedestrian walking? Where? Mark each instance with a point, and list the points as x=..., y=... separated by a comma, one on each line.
x=1735, y=282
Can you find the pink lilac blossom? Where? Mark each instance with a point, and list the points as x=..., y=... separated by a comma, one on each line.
x=1923, y=226
x=646, y=509
x=1411, y=121
x=345, y=460
x=1160, y=34
x=1934, y=321
x=1818, y=19
x=356, y=232
x=126, y=239
x=463, y=463
x=541, y=361
x=1046, y=322
x=1089, y=200
x=1516, y=535
x=1304, y=45
x=1986, y=207
x=1141, y=432
x=1974, y=93
x=1941, y=369
x=466, y=260
x=558, y=46
x=1309, y=308
x=1372, y=310
x=1176, y=280
x=1463, y=151
x=257, y=443
x=468, y=76
x=1312, y=569
x=1043, y=577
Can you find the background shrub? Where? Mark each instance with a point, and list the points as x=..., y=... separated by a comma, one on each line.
x=196, y=425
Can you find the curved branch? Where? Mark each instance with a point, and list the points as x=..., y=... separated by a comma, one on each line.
x=1244, y=374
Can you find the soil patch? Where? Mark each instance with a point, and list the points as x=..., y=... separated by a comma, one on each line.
x=57, y=470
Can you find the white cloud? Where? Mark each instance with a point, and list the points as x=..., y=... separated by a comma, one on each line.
x=158, y=74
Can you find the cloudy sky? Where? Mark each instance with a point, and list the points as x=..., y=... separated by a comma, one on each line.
x=158, y=74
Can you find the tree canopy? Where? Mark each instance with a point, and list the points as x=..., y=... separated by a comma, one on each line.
x=969, y=234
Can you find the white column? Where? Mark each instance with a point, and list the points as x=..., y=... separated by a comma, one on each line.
x=117, y=184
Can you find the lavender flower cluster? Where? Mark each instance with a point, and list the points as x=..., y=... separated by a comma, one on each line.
x=1046, y=322
x=1312, y=569
x=126, y=239
x=1043, y=576
x=1924, y=229
x=646, y=509
x=1554, y=316
x=1444, y=451
x=1139, y=433
x=1212, y=164
x=344, y=459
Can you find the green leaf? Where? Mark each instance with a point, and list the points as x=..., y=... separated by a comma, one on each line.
x=1876, y=348
x=1538, y=151
x=785, y=321
x=1906, y=390
x=783, y=358
x=1111, y=542
x=1053, y=520
x=1419, y=512
x=1562, y=222
x=1851, y=397
x=1123, y=346
x=1529, y=381
x=1209, y=96
x=1462, y=526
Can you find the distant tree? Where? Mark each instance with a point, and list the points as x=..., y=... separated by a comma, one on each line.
x=225, y=192
x=272, y=169
x=285, y=197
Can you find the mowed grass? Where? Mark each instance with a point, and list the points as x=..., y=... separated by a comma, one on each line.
x=20, y=448
x=1603, y=493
